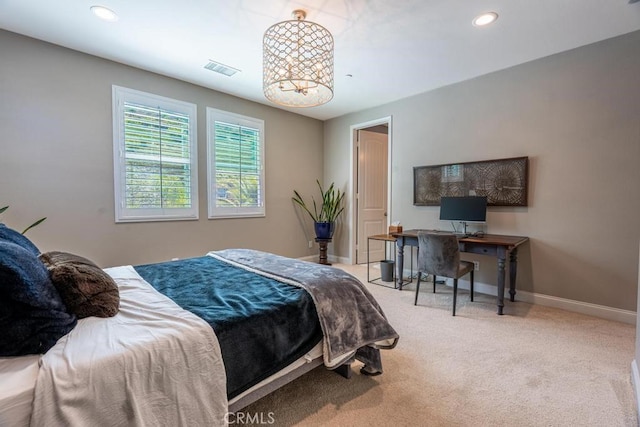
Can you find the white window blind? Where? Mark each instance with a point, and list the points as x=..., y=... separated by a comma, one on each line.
x=235, y=165
x=155, y=157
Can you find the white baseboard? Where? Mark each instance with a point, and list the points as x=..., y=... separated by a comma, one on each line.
x=602, y=311
x=339, y=259
x=635, y=381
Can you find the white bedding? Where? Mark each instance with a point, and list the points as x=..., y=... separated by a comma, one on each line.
x=80, y=380
x=17, y=382
x=153, y=364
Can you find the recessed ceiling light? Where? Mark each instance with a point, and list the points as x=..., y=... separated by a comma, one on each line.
x=104, y=13
x=485, y=19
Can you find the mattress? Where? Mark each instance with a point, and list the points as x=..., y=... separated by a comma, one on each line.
x=18, y=381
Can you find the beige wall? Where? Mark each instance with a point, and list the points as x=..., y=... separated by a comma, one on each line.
x=577, y=116
x=56, y=160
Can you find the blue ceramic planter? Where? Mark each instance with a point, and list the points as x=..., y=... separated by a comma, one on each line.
x=324, y=230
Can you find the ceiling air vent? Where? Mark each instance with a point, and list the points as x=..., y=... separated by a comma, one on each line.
x=221, y=68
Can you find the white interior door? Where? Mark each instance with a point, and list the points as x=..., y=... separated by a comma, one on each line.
x=371, y=194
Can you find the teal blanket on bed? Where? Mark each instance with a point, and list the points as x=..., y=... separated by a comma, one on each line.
x=262, y=324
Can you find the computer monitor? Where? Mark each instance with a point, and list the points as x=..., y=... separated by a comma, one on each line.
x=464, y=209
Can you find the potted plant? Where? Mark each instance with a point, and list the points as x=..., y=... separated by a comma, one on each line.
x=331, y=207
x=29, y=227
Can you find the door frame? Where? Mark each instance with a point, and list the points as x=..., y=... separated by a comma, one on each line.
x=354, y=178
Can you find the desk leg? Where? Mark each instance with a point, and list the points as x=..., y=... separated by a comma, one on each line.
x=513, y=270
x=400, y=261
x=501, y=277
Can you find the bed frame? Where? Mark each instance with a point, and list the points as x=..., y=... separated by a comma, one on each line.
x=344, y=370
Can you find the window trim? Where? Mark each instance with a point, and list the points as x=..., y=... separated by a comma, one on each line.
x=214, y=212
x=120, y=95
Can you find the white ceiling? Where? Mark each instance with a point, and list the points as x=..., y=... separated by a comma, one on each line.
x=393, y=48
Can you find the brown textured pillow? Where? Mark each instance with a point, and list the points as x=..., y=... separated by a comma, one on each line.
x=84, y=287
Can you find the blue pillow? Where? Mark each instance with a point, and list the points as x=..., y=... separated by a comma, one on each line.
x=10, y=235
x=32, y=315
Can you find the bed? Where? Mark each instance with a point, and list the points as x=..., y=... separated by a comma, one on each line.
x=158, y=361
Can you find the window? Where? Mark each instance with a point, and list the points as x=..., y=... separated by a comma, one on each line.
x=155, y=157
x=235, y=158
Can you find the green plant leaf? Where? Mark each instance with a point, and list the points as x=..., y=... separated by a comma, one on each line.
x=2, y=209
x=331, y=206
x=33, y=225
x=300, y=201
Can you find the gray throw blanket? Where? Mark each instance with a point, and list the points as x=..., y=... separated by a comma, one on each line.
x=353, y=323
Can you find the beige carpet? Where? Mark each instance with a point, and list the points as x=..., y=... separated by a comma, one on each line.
x=534, y=366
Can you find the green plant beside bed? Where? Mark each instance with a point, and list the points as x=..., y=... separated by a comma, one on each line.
x=3, y=209
x=330, y=208
x=324, y=220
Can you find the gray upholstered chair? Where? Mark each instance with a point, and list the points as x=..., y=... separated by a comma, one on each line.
x=439, y=255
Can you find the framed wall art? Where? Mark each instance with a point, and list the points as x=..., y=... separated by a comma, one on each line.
x=503, y=181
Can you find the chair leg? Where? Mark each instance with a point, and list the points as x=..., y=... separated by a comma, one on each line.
x=415, y=302
x=471, y=286
x=455, y=294
x=434, y=283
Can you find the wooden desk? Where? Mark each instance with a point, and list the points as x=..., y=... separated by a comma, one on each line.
x=495, y=245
